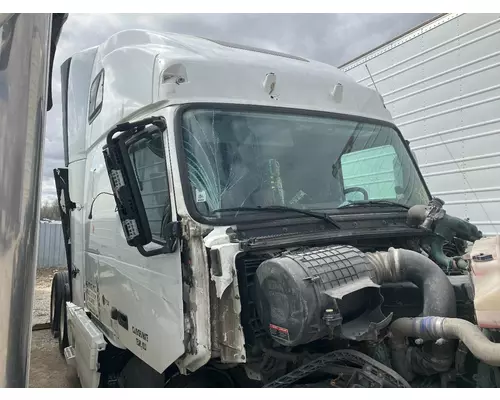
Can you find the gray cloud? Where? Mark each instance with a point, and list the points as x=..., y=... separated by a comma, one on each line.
x=330, y=38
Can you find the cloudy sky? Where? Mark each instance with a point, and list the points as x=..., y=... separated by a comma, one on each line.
x=330, y=38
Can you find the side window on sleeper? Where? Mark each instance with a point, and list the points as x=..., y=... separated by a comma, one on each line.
x=96, y=96
x=147, y=156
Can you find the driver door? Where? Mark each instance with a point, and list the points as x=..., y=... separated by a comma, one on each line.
x=140, y=297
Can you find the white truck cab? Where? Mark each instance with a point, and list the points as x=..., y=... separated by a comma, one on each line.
x=197, y=173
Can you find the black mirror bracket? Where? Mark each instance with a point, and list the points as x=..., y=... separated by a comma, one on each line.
x=132, y=128
x=126, y=191
x=169, y=247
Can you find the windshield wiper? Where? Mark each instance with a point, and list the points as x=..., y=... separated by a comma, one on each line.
x=323, y=216
x=361, y=203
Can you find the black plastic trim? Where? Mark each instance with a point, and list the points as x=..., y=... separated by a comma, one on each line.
x=188, y=195
x=61, y=178
x=65, y=69
x=58, y=21
x=334, y=236
x=122, y=320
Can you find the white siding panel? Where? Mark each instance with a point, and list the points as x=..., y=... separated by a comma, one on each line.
x=441, y=83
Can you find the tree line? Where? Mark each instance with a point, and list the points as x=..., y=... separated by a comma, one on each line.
x=50, y=210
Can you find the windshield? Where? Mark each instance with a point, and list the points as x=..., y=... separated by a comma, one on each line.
x=261, y=159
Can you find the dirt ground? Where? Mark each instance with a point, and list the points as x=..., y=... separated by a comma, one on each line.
x=48, y=368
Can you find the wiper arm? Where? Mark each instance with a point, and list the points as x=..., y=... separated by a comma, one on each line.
x=361, y=203
x=323, y=216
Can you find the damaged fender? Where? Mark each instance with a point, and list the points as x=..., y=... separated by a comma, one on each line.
x=228, y=340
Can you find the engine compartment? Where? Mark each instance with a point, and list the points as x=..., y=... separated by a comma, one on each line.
x=369, y=314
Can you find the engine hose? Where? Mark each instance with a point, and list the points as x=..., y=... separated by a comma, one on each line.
x=400, y=265
x=433, y=328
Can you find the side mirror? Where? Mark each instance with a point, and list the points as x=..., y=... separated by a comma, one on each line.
x=127, y=191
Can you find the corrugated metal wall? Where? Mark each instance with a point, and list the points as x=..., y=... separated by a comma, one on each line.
x=441, y=84
x=51, y=251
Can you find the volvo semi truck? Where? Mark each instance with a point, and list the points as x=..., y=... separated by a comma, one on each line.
x=238, y=217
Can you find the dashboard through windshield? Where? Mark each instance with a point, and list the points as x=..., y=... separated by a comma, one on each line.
x=251, y=159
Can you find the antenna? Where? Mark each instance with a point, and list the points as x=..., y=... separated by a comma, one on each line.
x=371, y=77
x=373, y=81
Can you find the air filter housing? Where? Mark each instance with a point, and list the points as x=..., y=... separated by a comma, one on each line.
x=304, y=296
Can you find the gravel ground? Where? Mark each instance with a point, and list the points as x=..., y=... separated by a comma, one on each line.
x=41, y=305
x=48, y=369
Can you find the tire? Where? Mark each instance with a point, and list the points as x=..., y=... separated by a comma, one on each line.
x=54, y=308
x=63, y=321
x=59, y=281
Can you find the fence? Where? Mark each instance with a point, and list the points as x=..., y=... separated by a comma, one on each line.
x=51, y=251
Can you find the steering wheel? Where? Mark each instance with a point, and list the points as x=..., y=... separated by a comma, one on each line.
x=357, y=189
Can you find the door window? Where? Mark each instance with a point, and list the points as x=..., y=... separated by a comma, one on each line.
x=148, y=160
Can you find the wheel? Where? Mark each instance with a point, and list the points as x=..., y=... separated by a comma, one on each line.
x=63, y=321
x=59, y=281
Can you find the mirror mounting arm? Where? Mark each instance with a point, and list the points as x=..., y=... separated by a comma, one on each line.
x=150, y=253
x=170, y=246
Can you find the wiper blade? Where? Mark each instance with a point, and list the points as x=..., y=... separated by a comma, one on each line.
x=323, y=216
x=361, y=203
